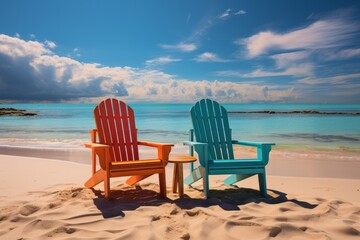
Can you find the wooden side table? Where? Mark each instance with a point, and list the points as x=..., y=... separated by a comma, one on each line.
x=178, y=178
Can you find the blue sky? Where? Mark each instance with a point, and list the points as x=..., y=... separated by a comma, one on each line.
x=180, y=51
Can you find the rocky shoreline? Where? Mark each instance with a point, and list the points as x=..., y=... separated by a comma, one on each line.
x=297, y=112
x=15, y=112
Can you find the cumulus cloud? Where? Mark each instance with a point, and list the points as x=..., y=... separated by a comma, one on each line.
x=209, y=57
x=161, y=61
x=174, y=90
x=15, y=47
x=327, y=33
x=30, y=71
x=183, y=47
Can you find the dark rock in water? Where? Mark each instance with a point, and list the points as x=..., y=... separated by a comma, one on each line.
x=15, y=112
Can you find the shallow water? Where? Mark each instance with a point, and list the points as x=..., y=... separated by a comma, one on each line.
x=70, y=123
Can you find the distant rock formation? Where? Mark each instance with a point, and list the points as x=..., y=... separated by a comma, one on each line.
x=15, y=112
x=299, y=112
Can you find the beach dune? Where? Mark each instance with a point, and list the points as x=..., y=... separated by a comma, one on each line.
x=42, y=199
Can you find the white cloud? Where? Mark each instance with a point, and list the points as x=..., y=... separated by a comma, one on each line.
x=161, y=60
x=76, y=51
x=183, y=47
x=32, y=36
x=209, y=57
x=240, y=12
x=15, y=47
x=45, y=76
x=225, y=14
x=50, y=44
x=284, y=60
x=322, y=34
x=17, y=35
x=299, y=70
x=229, y=73
x=342, y=54
x=176, y=90
x=296, y=71
x=339, y=79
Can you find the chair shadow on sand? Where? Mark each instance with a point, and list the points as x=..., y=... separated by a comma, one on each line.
x=228, y=199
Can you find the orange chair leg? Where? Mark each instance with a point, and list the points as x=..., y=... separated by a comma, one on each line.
x=135, y=179
x=95, y=179
x=107, y=187
x=162, y=182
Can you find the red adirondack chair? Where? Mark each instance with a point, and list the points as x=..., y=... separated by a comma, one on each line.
x=117, y=148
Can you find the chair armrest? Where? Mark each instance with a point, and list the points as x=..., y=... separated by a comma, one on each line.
x=96, y=145
x=263, y=149
x=194, y=144
x=154, y=144
x=202, y=151
x=251, y=144
x=102, y=151
x=164, y=149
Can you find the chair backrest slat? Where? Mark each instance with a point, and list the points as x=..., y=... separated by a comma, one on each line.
x=133, y=133
x=115, y=123
x=221, y=131
x=214, y=129
x=208, y=130
x=211, y=125
x=197, y=122
x=227, y=131
x=105, y=127
x=125, y=124
x=120, y=133
x=112, y=129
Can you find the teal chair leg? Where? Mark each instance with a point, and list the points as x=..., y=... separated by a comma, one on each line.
x=194, y=176
x=205, y=182
x=262, y=183
x=236, y=177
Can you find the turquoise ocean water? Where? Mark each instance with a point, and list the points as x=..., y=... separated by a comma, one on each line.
x=70, y=123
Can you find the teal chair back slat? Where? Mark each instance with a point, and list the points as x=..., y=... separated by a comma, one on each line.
x=227, y=132
x=214, y=130
x=211, y=126
x=221, y=132
x=206, y=124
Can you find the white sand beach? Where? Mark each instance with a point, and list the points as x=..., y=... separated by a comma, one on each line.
x=45, y=198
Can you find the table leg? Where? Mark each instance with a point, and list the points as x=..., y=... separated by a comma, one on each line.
x=93, y=162
x=175, y=178
x=181, y=180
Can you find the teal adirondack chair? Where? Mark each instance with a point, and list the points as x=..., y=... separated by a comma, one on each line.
x=214, y=147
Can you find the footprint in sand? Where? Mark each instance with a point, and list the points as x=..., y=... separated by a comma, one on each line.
x=192, y=213
x=350, y=231
x=27, y=210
